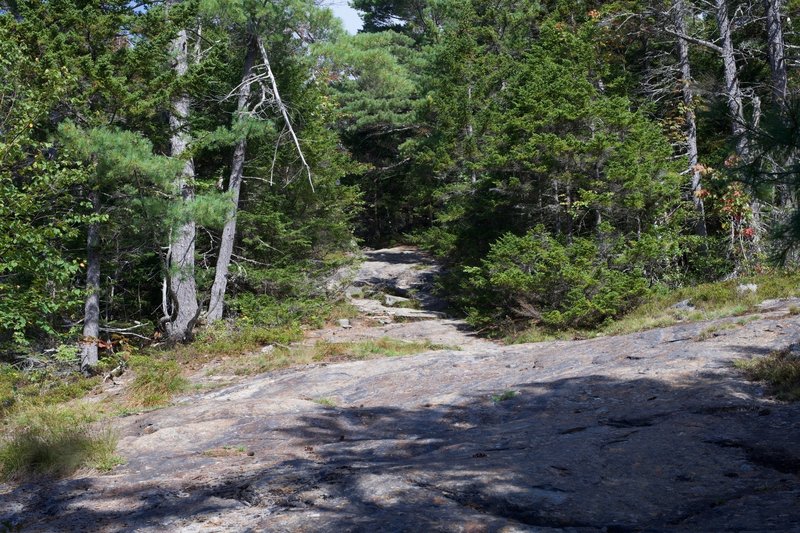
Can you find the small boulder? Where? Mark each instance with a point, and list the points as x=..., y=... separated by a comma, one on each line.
x=392, y=300
x=685, y=305
x=345, y=323
x=744, y=288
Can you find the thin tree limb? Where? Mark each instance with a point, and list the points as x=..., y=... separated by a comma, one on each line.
x=695, y=40
x=282, y=108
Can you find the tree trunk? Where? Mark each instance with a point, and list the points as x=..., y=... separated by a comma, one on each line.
x=471, y=134
x=91, y=316
x=776, y=51
x=733, y=92
x=182, y=286
x=216, y=303
x=691, y=123
x=736, y=108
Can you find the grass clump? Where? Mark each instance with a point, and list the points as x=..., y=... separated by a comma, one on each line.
x=369, y=349
x=326, y=352
x=156, y=382
x=504, y=396
x=539, y=334
x=325, y=402
x=54, y=440
x=707, y=301
x=44, y=386
x=227, y=340
x=261, y=321
x=225, y=451
x=714, y=330
x=780, y=370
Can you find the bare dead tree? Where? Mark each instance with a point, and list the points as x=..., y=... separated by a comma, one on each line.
x=234, y=187
x=260, y=75
x=679, y=14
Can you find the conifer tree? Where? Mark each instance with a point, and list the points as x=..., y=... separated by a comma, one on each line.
x=113, y=158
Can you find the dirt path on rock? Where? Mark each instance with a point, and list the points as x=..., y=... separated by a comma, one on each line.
x=393, y=290
x=653, y=431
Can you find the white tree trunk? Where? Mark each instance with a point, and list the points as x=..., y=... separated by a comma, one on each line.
x=182, y=286
x=216, y=303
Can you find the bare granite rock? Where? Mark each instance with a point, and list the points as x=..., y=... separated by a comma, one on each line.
x=654, y=431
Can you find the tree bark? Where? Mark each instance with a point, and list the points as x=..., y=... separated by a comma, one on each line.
x=736, y=108
x=689, y=116
x=182, y=286
x=776, y=51
x=733, y=92
x=91, y=314
x=216, y=303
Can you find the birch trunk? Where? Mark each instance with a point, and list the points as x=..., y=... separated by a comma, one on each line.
x=91, y=315
x=182, y=288
x=691, y=123
x=216, y=303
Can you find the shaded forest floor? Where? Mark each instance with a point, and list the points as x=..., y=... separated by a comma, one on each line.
x=655, y=431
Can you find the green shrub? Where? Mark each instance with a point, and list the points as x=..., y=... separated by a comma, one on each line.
x=558, y=285
x=270, y=311
x=43, y=386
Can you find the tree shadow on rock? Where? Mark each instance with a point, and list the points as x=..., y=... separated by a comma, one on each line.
x=589, y=453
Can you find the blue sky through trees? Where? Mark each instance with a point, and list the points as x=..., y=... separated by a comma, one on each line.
x=350, y=17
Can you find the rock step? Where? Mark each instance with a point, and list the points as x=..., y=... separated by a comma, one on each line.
x=376, y=308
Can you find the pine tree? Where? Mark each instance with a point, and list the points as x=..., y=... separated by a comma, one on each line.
x=113, y=158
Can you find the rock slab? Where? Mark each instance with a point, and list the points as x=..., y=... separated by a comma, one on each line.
x=654, y=431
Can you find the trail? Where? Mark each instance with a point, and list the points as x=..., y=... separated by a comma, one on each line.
x=653, y=431
x=393, y=290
